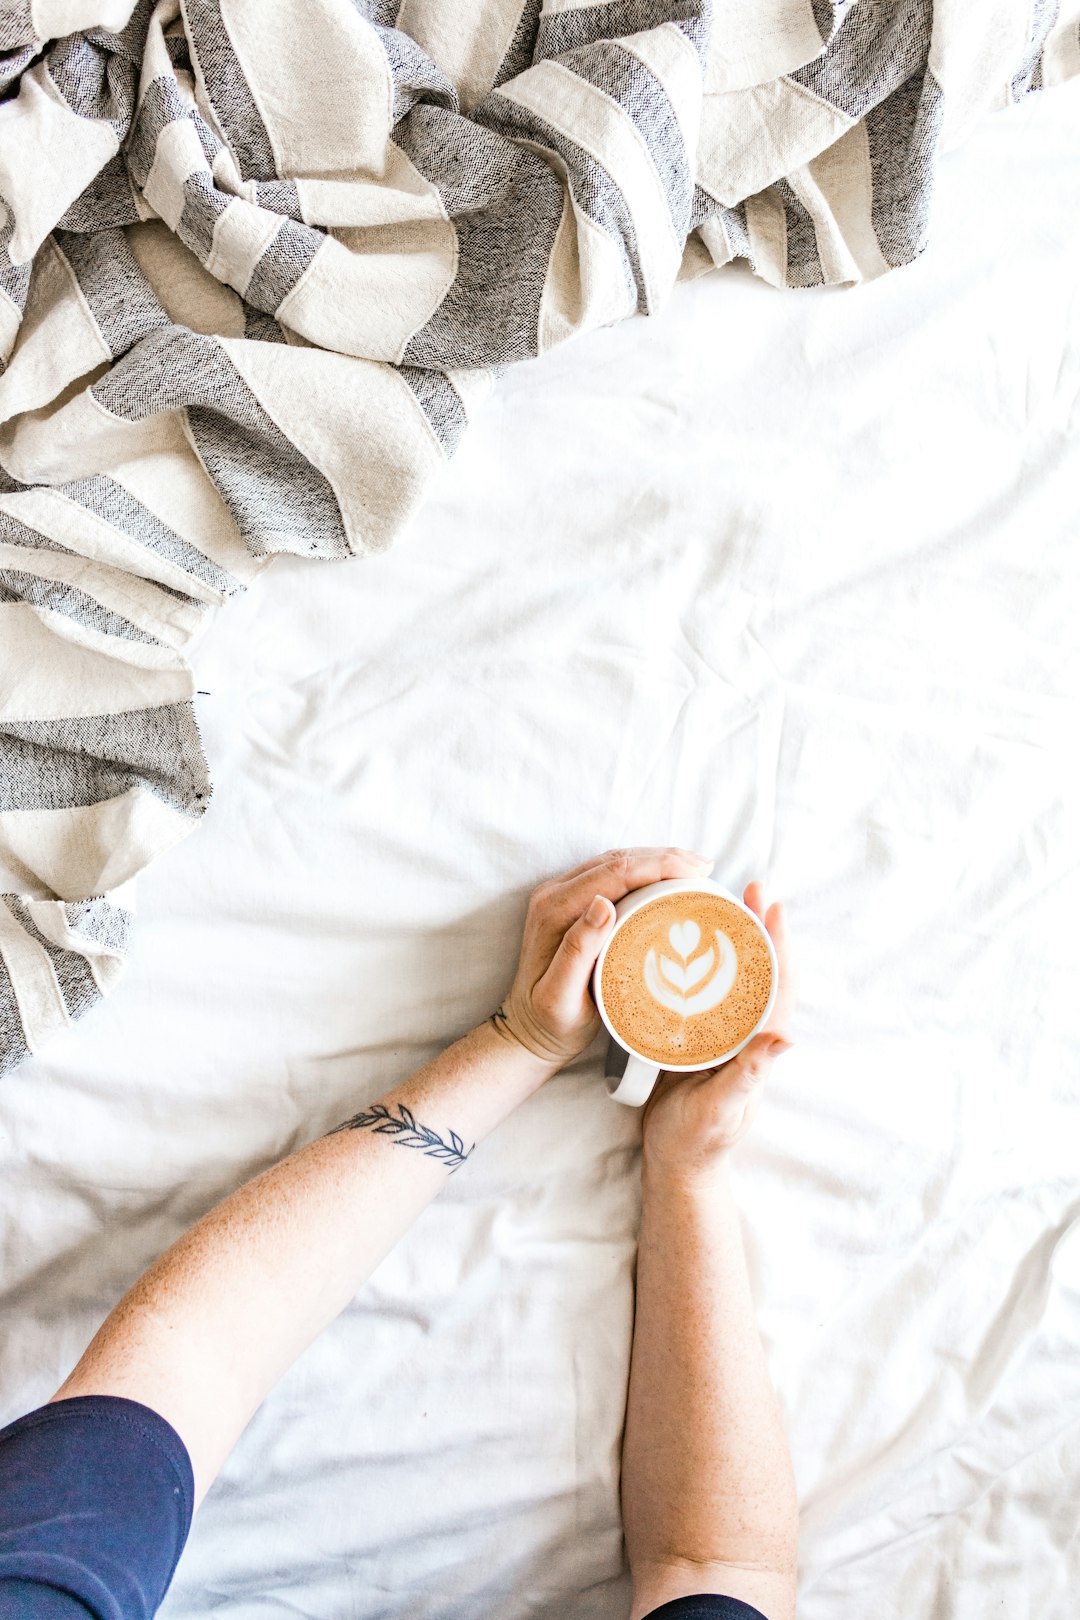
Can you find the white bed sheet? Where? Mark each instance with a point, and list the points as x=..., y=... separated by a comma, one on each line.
x=647, y=632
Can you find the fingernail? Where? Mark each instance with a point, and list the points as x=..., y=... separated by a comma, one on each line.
x=692, y=855
x=780, y=1045
x=597, y=912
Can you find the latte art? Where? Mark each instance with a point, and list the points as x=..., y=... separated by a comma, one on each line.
x=674, y=984
x=686, y=977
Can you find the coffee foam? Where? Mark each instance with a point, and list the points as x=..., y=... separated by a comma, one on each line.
x=686, y=977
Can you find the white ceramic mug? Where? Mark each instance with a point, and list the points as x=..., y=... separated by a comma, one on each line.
x=635, y=1083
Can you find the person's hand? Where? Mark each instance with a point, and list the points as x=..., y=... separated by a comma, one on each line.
x=549, y=1010
x=692, y=1121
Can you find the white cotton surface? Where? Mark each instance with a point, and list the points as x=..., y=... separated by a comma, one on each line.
x=789, y=577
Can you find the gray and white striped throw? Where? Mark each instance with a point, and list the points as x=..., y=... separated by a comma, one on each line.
x=259, y=261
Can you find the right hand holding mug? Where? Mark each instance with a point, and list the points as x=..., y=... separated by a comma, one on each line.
x=692, y=1121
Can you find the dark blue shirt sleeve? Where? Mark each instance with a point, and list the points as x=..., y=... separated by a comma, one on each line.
x=96, y=1498
x=705, y=1606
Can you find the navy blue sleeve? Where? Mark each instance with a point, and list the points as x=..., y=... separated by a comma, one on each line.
x=96, y=1497
x=705, y=1606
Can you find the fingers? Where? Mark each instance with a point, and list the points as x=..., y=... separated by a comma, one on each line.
x=611, y=854
x=754, y=897
x=744, y=1073
x=754, y=1063
x=775, y=920
x=562, y=989
x=555, y=905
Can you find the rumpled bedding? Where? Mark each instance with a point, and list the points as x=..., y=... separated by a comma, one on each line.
x=259, y=263
x=794, y=580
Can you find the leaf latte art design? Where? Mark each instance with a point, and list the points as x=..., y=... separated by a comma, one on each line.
x=692, y=984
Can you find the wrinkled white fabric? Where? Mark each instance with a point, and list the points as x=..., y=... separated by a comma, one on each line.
x=791, y=578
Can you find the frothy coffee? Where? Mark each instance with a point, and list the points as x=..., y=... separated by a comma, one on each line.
x=686, y=977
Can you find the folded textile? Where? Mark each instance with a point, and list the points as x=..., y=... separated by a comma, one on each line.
x=260, y=261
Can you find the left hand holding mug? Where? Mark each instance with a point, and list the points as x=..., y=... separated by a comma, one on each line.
x=549, y=1010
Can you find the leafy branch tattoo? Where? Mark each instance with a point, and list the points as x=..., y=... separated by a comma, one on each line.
x=407, y=1132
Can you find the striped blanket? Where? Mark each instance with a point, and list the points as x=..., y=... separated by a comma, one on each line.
x=261, y=259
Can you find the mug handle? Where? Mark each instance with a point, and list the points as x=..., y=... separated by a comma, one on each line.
x=636, y=1084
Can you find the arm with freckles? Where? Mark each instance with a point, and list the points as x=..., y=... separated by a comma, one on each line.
x=208, y=1330
x=708, y=1490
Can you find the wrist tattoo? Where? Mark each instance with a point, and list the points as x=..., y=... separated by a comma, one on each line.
x=499, y=1017
x=408, y=1132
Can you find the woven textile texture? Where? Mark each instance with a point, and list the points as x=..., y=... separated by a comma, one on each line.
x=260, y=261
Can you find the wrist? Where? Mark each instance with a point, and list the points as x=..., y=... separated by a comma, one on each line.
x=499, y=1042
x=516, y=1023
x=664, y=1178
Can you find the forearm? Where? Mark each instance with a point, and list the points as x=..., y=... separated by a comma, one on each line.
x=210, y=1327
x=707, y=1477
